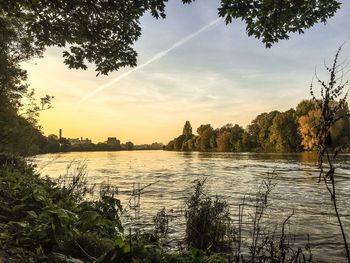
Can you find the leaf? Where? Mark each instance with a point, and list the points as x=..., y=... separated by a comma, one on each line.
x=32, y=214
x=119, y=242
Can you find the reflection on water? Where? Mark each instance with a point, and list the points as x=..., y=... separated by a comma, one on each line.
x=231, y=176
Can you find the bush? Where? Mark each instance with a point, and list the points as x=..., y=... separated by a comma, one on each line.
x=208, y=223
x=40, y=219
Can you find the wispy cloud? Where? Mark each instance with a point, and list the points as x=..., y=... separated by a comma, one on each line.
x=156, y=57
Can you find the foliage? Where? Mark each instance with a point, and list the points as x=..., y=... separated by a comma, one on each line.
x=274, y=20
x=304, y=107
x=289, y=131
x=144, y=248
x=128, y=146
x=51, y=221
x=187, y=130
x=259, y=130
x=223, y=141
x=332, y=112
x=104, y=32
x=161, y=223
x=308, y=130
x=284, y=134
x=206, y=138
x=207, y=221
x=265, y=243
x=41, y=219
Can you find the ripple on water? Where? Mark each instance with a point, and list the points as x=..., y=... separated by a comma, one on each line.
x=231, y=176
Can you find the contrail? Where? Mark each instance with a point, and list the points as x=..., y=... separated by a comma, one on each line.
x=154, y=58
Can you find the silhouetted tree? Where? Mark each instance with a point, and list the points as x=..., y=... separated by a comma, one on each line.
x=104, y=32
x=275, y=20
x=206, y=138
x=129, y=146
x=187, y=130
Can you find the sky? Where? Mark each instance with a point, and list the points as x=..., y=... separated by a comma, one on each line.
x=191, y=67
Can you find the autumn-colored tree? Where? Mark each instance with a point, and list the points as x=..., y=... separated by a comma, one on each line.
x=339, y=132
x=223, y=141
x=308, y=129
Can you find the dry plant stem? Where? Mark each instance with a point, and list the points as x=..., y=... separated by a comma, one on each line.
x=332, y=192
x=331, y=112
x=283, y=237
x=240, y=221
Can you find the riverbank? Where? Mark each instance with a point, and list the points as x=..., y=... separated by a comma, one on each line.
x=231, y=176
x=45, y=220
x=50, y=221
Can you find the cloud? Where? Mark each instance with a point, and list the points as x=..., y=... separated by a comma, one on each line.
x=156, y=57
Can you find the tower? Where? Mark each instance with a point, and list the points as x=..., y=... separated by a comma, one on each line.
x=60, y=134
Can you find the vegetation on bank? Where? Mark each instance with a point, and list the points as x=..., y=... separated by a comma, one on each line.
x=290, y=131
x=45, y=220
x=87, y=33
x=42, y=220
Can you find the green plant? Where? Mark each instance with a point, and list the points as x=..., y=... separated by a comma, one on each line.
x=208, y=221
x=161, y=223
x=42, y=220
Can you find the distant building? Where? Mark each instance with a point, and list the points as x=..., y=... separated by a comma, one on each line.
x=77, y=141
x=112, y=141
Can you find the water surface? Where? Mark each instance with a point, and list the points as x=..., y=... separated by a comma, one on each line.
x=170, y=176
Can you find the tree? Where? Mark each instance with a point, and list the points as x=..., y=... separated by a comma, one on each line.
x=223, y=141
x=273, y=20
x=178, y=142
x=339, y=132
x=206, y=138
x=308, y=129
x=304, y=107
x=259, y=130
x=236, y=138
x=187, y=130
x=104, y=32
x=129, y=146
x=170, y=146
x=284, y=134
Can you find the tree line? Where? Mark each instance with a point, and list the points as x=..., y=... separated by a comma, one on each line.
x=293, y=130
x=53, y=144
x=88, y=32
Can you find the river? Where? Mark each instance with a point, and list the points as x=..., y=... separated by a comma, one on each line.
x=168, y=180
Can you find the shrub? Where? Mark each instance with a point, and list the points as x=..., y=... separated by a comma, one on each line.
x=208, y=222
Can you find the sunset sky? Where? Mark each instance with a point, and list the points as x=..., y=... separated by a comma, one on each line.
x=192, y=68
